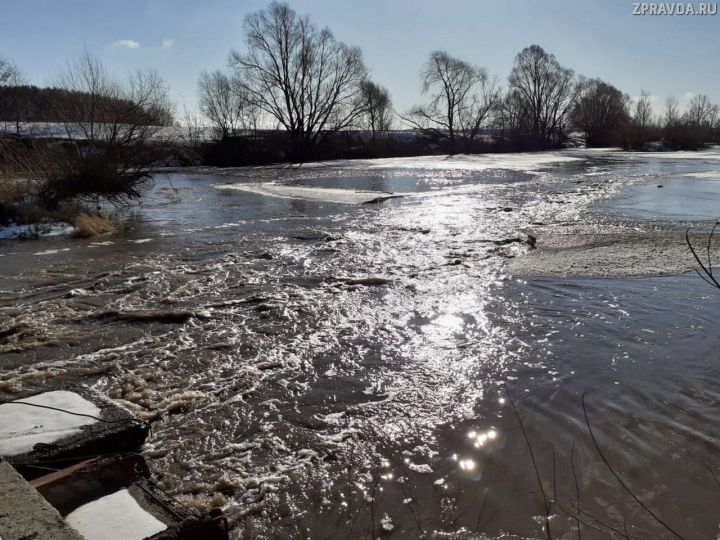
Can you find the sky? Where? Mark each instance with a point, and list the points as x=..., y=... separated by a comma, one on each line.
x=597, y=38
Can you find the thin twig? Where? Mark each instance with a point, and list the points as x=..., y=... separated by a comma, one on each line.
x=710, y=279
x=577, y=488
x=418, y=523
x=620, y=480
x=535, y=466
x=482, y=510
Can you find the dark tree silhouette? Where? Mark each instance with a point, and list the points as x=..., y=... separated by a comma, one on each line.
x=377, y=107
x=11, y=102
x=462, y=98
x=299, y=75
x=541, y=96
x=224, y=102
x=601, y=112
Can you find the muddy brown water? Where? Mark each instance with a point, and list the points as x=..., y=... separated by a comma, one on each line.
x=327, y=370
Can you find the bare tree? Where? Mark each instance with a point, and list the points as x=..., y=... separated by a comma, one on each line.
x=111, y=110
x=702, y=113
x=601, y=111
x=541, y=95
x=377, y=107
x=112, y=123
x=299, y=75
x=9, y=72
x=671, y=116
x=10, y=75
x=643, y=114
x=461, y=99
x=224, y=101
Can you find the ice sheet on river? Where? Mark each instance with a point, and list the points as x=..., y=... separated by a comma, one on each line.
x=341, y=196
x=521, y=161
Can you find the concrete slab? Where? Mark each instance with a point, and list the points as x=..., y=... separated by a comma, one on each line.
x=60, y=427
x=115, y=516
x=25, y=514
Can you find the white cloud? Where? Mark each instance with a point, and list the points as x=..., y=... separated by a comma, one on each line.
x=125, y=44
x=689, y=95
x=652, y=98
x=168, y=43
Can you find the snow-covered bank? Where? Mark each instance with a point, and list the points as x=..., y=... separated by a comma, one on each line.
x=34, y=230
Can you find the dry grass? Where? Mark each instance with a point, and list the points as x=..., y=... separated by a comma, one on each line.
x=90, y=225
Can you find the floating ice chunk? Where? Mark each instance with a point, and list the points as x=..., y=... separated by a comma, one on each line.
x=24, y=426
x=340, y=196
x=712, y=175
x=521, y=161
x=113, y=517
x=50, y=251
x=422, y=468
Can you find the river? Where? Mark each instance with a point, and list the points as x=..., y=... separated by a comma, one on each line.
x=323, y=368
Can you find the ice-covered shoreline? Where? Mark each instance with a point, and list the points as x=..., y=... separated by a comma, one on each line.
x=35, y=230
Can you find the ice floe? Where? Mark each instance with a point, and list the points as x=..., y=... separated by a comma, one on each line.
x=340, y=196
x=712, y=175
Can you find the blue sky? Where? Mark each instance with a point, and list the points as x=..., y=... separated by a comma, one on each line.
x=597, y=38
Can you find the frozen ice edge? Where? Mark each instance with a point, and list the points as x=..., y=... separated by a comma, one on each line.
x=14, y=231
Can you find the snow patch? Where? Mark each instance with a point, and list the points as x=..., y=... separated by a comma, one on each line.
x=13, y=231
x=114, y=517
x=23, y=426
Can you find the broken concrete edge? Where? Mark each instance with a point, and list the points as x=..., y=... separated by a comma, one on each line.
x=25, y=513
x=78, y=484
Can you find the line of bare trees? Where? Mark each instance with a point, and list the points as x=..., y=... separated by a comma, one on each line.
x=297, y=78
x=293, y=88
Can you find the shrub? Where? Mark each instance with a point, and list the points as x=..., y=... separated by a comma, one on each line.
x=90, y=225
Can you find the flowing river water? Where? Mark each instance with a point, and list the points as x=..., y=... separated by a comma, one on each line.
x=322, y=368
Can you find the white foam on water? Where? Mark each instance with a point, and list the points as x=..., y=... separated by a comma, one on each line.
x=50, y=251
x=341, y=196
x=23, y=426
x=114, y=517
